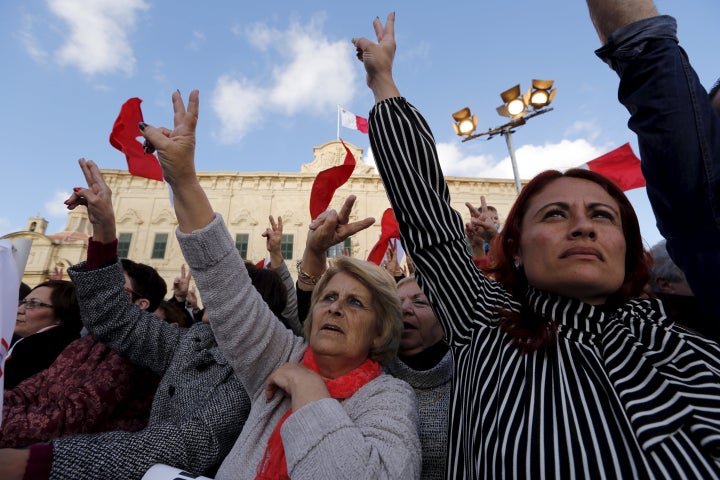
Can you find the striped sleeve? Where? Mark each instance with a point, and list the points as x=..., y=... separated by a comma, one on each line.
x=432, y=231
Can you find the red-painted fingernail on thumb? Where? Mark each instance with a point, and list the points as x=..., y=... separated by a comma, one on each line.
x=76, y=189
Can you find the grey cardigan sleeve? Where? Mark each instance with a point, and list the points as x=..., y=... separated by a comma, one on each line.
x=253, y=340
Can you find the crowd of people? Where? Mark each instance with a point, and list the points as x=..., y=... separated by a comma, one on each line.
x=550, y=345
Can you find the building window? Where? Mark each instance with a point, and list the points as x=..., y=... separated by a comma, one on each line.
x=342, y=249
x=241, y=243
x=159, y=246
x=124, y=244
x=286, y=246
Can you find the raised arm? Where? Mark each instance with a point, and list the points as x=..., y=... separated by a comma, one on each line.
x=678, y=135
x=432, y=231
x=609, y=15
x=104, y=305
x=176, y=152
x=248, y=333
x=329, y=228
x=273, y=235
x=480, y=230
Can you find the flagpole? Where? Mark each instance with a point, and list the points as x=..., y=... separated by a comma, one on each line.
x=338, y=122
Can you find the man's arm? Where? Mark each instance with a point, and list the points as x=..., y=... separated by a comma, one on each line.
x=678, y=135
x=609, y=15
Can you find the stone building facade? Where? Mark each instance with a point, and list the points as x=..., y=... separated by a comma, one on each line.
x=146, y=220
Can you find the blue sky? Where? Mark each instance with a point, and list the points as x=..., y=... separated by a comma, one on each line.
x=271, y=75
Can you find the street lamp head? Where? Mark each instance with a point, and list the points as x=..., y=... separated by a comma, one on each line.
x=514, y=104
x=541, y=94
x=465, y=123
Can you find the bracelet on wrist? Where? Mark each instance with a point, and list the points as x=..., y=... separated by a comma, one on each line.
x=304, y=277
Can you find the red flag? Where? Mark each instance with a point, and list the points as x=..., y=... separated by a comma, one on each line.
x=328, y=181
x=124, y=137
x=389, y=229
x=619, y=165
x=350, y=120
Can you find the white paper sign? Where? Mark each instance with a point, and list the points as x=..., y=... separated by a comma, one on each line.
x=160, y=471
x=9, y=288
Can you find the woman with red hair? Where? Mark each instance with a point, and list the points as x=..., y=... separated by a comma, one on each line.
x=561, y=369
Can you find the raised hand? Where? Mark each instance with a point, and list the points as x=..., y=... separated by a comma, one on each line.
x=332, y=227
x=57, y=273
x=482, y=222
x=176, y=152
x=181, y=284
x=391, y=263
x=273, y=235
x=176, y=148
x=378, y=58
x=97, y=197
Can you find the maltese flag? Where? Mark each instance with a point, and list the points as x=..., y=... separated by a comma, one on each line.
x=352, y=121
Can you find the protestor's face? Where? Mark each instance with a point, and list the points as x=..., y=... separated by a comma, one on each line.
x=421, y=328
x=572, y=241
x=31, y=319
x=344, y=325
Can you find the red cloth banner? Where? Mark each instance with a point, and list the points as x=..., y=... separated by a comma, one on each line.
x=389, y=229
x=328, y=181
x=124, y=137
x=621, y=166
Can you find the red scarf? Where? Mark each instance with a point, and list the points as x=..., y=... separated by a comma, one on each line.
x=273, y=465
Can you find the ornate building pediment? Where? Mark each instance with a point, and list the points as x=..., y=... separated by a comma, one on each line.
x=244, y=217
x=165, y=216
x=129, y=216
x=332, y=154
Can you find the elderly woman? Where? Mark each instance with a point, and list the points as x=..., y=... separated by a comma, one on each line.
x=321, y=407
x=48, y=319
x=560, y=371
x=424, y=360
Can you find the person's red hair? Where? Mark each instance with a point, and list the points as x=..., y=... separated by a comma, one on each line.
x=528, y=331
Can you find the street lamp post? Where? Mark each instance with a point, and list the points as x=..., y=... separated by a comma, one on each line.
x=520, y=108
x=507, y=131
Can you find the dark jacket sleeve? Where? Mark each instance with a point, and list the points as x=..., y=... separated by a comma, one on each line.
x=136, y=334
x=678, y=135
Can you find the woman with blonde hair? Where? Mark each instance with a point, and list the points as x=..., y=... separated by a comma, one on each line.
x=321, y=406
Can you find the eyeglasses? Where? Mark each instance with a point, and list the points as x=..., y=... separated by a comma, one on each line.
x=32, y=304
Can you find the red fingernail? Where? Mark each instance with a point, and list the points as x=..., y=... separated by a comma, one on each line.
x=76, y=189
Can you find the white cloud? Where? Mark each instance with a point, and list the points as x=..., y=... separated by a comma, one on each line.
x=531, y=159
x=587, y=128
x=55, y=207
x=314, y=76
x=239, y=104
x=98, y=34
x=31, y=44
x=198, y=39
